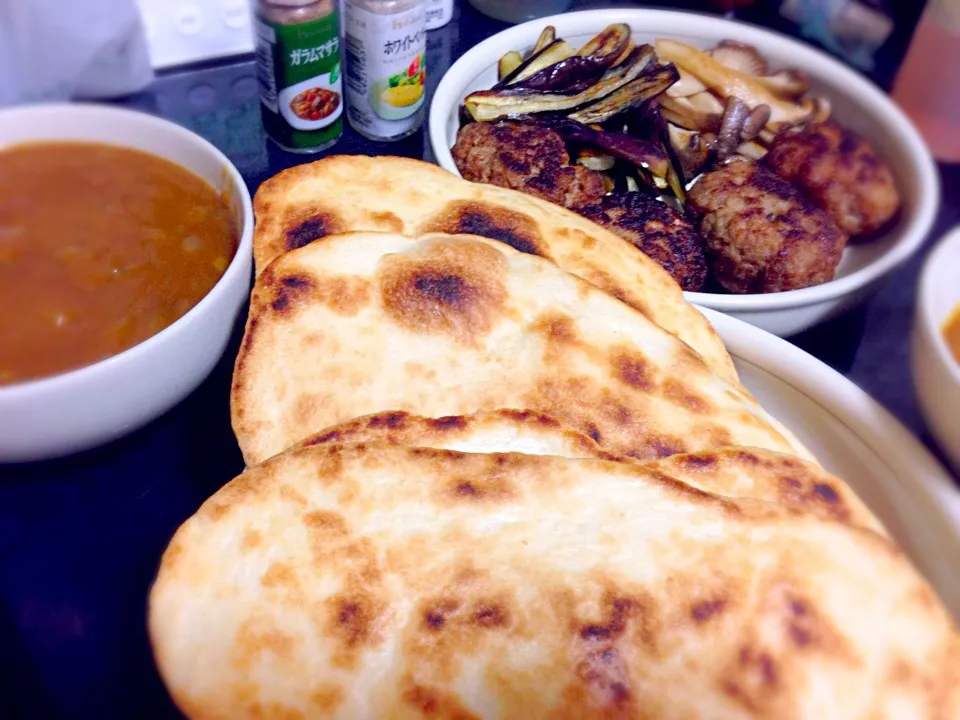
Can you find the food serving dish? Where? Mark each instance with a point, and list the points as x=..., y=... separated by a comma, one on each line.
x=936, y=372
x=856, y=439
x=91, y=405
x=855, y=103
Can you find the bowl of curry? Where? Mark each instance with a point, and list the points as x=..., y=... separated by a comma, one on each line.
x=935, y=352
x=125, y=261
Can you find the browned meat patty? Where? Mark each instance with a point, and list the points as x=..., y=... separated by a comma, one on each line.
x=655, y=229
x=522, y=157
x=841, y=172
x=762, y=235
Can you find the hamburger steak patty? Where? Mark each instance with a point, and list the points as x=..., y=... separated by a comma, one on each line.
x=527, y=158
x=840, y=172
x=761, y=233
x=656, y=230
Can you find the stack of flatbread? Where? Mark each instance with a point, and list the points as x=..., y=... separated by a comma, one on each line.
x=499, y=468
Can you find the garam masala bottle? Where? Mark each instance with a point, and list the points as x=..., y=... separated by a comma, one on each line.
x=298, y=66
x=385, y=53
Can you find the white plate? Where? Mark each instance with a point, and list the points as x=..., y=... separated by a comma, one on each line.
x=859, y=441
x=856, y=102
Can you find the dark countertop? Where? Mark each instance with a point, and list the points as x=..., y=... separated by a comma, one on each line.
x=80, y=538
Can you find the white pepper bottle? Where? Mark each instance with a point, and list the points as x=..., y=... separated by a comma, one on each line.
x=386, y=71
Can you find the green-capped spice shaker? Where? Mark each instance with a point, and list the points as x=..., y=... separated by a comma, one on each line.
x=298, y=65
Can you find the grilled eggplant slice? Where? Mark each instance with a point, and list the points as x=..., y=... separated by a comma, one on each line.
x=631, y=95
x=519, y=100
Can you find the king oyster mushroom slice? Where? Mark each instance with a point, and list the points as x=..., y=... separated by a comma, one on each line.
x=595, y=159
x=686, y=86
x=787, y=84
x=819, y=108
x=691, y=148
x=730, y=83
x=697, y=112
x=752, y=150
x=740, y=57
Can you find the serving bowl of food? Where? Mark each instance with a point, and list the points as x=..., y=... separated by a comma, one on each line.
x=772, y=182
x=935, y=348
x=124, y=261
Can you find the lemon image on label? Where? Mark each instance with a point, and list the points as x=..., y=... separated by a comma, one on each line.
x=402, y=95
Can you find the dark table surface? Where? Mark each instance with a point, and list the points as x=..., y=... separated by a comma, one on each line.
x=80, y=538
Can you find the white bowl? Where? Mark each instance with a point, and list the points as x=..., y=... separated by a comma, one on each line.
x=76, y=410
x=856, y=103
x=859, y=441
x=936, y=374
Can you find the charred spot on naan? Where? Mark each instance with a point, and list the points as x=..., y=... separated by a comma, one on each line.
x=289, y=289
x=436, y=703
x=453, y=287
x=704, y=610
x=556, y=327
x=344, y=294
x=631, y=368
x=515, y=229
x=309, y=224
x=384, y=222
x=448, y=422
x=677, y=392
x=353, y=617
x=480, y=488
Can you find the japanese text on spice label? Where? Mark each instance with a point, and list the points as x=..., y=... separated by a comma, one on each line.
x=392, y=47
x=302, y=56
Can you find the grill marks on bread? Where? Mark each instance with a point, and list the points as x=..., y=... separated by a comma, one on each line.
x=456, y=289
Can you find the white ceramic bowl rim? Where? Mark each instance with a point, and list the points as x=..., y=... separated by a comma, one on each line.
x=946, y=249
x=81, y=375
x=814, y=61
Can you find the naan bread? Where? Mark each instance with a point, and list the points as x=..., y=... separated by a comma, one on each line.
x=346, y=193
x=732, y=471
x=379, y=581
x=452, y=325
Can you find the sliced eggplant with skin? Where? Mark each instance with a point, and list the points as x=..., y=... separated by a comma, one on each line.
x=547, y=36
x=486, y=105
x=642, y=153
x=609, y=41
x=508, y=63
x=554, y=52
x=633, y=94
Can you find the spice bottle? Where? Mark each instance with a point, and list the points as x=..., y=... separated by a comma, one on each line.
x=439, y=13
x=298, y=65
x=385, y=52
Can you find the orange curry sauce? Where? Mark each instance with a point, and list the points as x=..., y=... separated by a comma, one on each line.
x=100, y=248
x=951, y=332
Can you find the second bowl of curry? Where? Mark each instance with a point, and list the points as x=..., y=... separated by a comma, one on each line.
x=124, y=262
